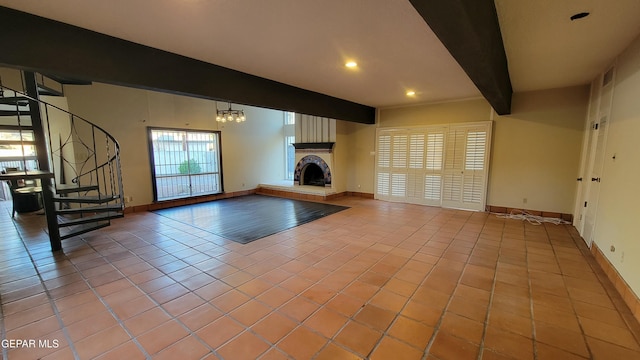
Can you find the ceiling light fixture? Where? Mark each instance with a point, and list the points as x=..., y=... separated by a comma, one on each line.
x=411, y=93
x=229, y=115
x=351, y=64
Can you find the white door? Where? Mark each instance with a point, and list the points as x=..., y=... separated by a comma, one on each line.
x=588, y=153
x=465, y=170
x=438, y=165
x=600, y=139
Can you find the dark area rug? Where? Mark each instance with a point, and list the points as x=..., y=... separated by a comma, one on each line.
x=248, y=218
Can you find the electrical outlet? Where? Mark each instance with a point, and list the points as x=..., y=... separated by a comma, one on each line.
x=524, y=200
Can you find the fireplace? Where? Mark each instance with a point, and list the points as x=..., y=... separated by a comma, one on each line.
x=313, y=167
x=312, y=170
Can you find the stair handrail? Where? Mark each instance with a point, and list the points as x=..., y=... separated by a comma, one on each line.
x=110, y=160
x=63, y=110
x=115, y=157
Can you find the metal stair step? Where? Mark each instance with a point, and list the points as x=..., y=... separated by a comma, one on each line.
x=91, y=209
x=14, y=113
x=47, y=91
x=96, y=199
x=71, y=188
x=65, y=222
x=13, y=100
x=16, y=127
x=69, y=232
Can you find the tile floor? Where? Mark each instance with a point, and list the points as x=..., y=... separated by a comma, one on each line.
x=379, y=281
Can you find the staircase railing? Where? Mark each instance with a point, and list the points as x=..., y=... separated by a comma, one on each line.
x=83, y=156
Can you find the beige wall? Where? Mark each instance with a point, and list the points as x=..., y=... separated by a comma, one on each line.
x=535, y=152
x=252, y=152
x=360, y=157
x=617, y=213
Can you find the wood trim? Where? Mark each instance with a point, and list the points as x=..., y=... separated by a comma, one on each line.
x=68, y=51
x=470, y=30
x=621, y=286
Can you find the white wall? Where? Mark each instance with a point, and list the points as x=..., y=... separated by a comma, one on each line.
x=618, y=212
x=252, y=152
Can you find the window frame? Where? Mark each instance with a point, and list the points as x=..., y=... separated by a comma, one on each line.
x=150, y=142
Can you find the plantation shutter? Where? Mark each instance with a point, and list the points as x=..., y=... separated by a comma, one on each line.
x=415, y=172
x=399, y=145
x=384, y=165
x=465, y=179
x=433, y=167
x=437, y=165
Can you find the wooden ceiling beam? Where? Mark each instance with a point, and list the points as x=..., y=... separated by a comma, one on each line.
x=470, y=30
x=34, y=43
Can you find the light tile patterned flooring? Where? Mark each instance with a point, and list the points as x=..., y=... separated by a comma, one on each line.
x=379, y=280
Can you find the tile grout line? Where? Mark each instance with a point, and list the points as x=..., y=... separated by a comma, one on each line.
x=48, y=294
x=491, y=293
x=436, y=328
x=158, y=305
x=608, y=286
x=571, y=300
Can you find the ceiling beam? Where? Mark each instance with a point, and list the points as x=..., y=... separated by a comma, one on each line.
x=34, y=43
x=469, y=29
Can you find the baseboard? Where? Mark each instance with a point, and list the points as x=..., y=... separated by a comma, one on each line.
x=181, y=202
x=625, y=291
x=297, y=195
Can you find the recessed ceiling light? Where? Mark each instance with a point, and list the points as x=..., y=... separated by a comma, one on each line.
x=351, y=64
x=411, y=93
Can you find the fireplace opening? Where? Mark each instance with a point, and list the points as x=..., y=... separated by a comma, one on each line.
x=312, y=170
x=312, y=175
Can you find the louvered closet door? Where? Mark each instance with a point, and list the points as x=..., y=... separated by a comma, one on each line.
x=392, y=165
x=438, y=165
x=383, y=166
x=432, y=175
x=465, y=171
x=415, y=171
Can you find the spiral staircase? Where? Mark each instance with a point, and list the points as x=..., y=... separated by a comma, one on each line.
x=75, y=162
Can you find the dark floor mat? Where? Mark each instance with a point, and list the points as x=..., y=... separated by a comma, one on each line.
x=248, y=218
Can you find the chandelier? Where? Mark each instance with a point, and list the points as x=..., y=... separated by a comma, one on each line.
x=229, y=115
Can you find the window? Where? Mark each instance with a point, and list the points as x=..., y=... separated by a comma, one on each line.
x=185, y=163
x=289, y=140
x=17, y=149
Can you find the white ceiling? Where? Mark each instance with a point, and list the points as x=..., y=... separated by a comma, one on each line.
x=305, y=43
